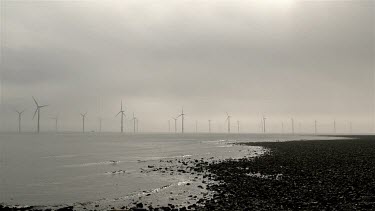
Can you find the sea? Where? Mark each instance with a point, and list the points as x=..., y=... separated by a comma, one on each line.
x=106, y=170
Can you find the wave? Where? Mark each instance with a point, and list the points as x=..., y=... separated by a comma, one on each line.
x=110, y=162
x=62, y=156
x=153, y=191
x=162, y=158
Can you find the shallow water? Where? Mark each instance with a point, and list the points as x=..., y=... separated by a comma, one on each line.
x=68, y=168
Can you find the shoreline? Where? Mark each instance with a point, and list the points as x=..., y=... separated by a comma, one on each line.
x=309, y=175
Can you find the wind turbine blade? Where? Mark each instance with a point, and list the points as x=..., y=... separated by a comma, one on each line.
x=178, y=116
x=43, y=106
x=118, y=113
x=35, y=101
x=35, y=113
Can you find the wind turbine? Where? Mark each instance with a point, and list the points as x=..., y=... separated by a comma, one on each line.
x=334, y=126
x=37, y=110
x=83, y=121
x=209, y=126
x=292, y=125
x=56, y=118
x=264, y=124
x=238, y=126
x=282, y=127
x=175, y=124
x=228, y=120
x=122, y=118
x=196, y=126
x=19, y=119
x=351, y=127
x=100, y=124
x=134, y=122
x=137, y=124
x=182, y=115
x=316, y=127
x=169, y=126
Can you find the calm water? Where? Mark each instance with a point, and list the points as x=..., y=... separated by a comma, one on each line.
x=66, y=168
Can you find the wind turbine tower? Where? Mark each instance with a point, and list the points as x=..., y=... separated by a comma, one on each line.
x=122, y=112
x=264, y=124
x=56, y=118
x=334, y=126
x=238, y=126
x=83, y=121
x=228, y=120
x=19, y=120
x=316, y=127
x=182, y=115
x=134, y=122
x=292, y=126
x=175, y=124
x=209, y=126
x=100, y=124
x=137, y=125
x=37, y=110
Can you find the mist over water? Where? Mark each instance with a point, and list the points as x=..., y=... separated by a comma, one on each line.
x=65, y=168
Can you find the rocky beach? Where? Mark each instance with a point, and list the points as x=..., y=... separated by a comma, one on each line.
x=295, y=175
x=291, y=175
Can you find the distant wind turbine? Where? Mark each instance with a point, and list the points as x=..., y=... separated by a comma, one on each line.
x=282, y=127
x=100, y=124
x=137, y=125
x=351, y=127
x=56, y=118
x=134, y=122
x=292, y=125
x=37, y=110
x=122, y=112
x=264, y=124
x=182, y=115
x=169, y=126
x=19, y=119
x=196, y=126
x=228, y=120
x=209, y=126
x=238, y=126
x=334, y=126
x=175, y=124
x=316, y=127
x=83, y=121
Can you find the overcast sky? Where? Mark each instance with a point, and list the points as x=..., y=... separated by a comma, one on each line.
x=303, y=59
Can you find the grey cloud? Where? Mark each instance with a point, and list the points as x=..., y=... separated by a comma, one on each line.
x=313, y=59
